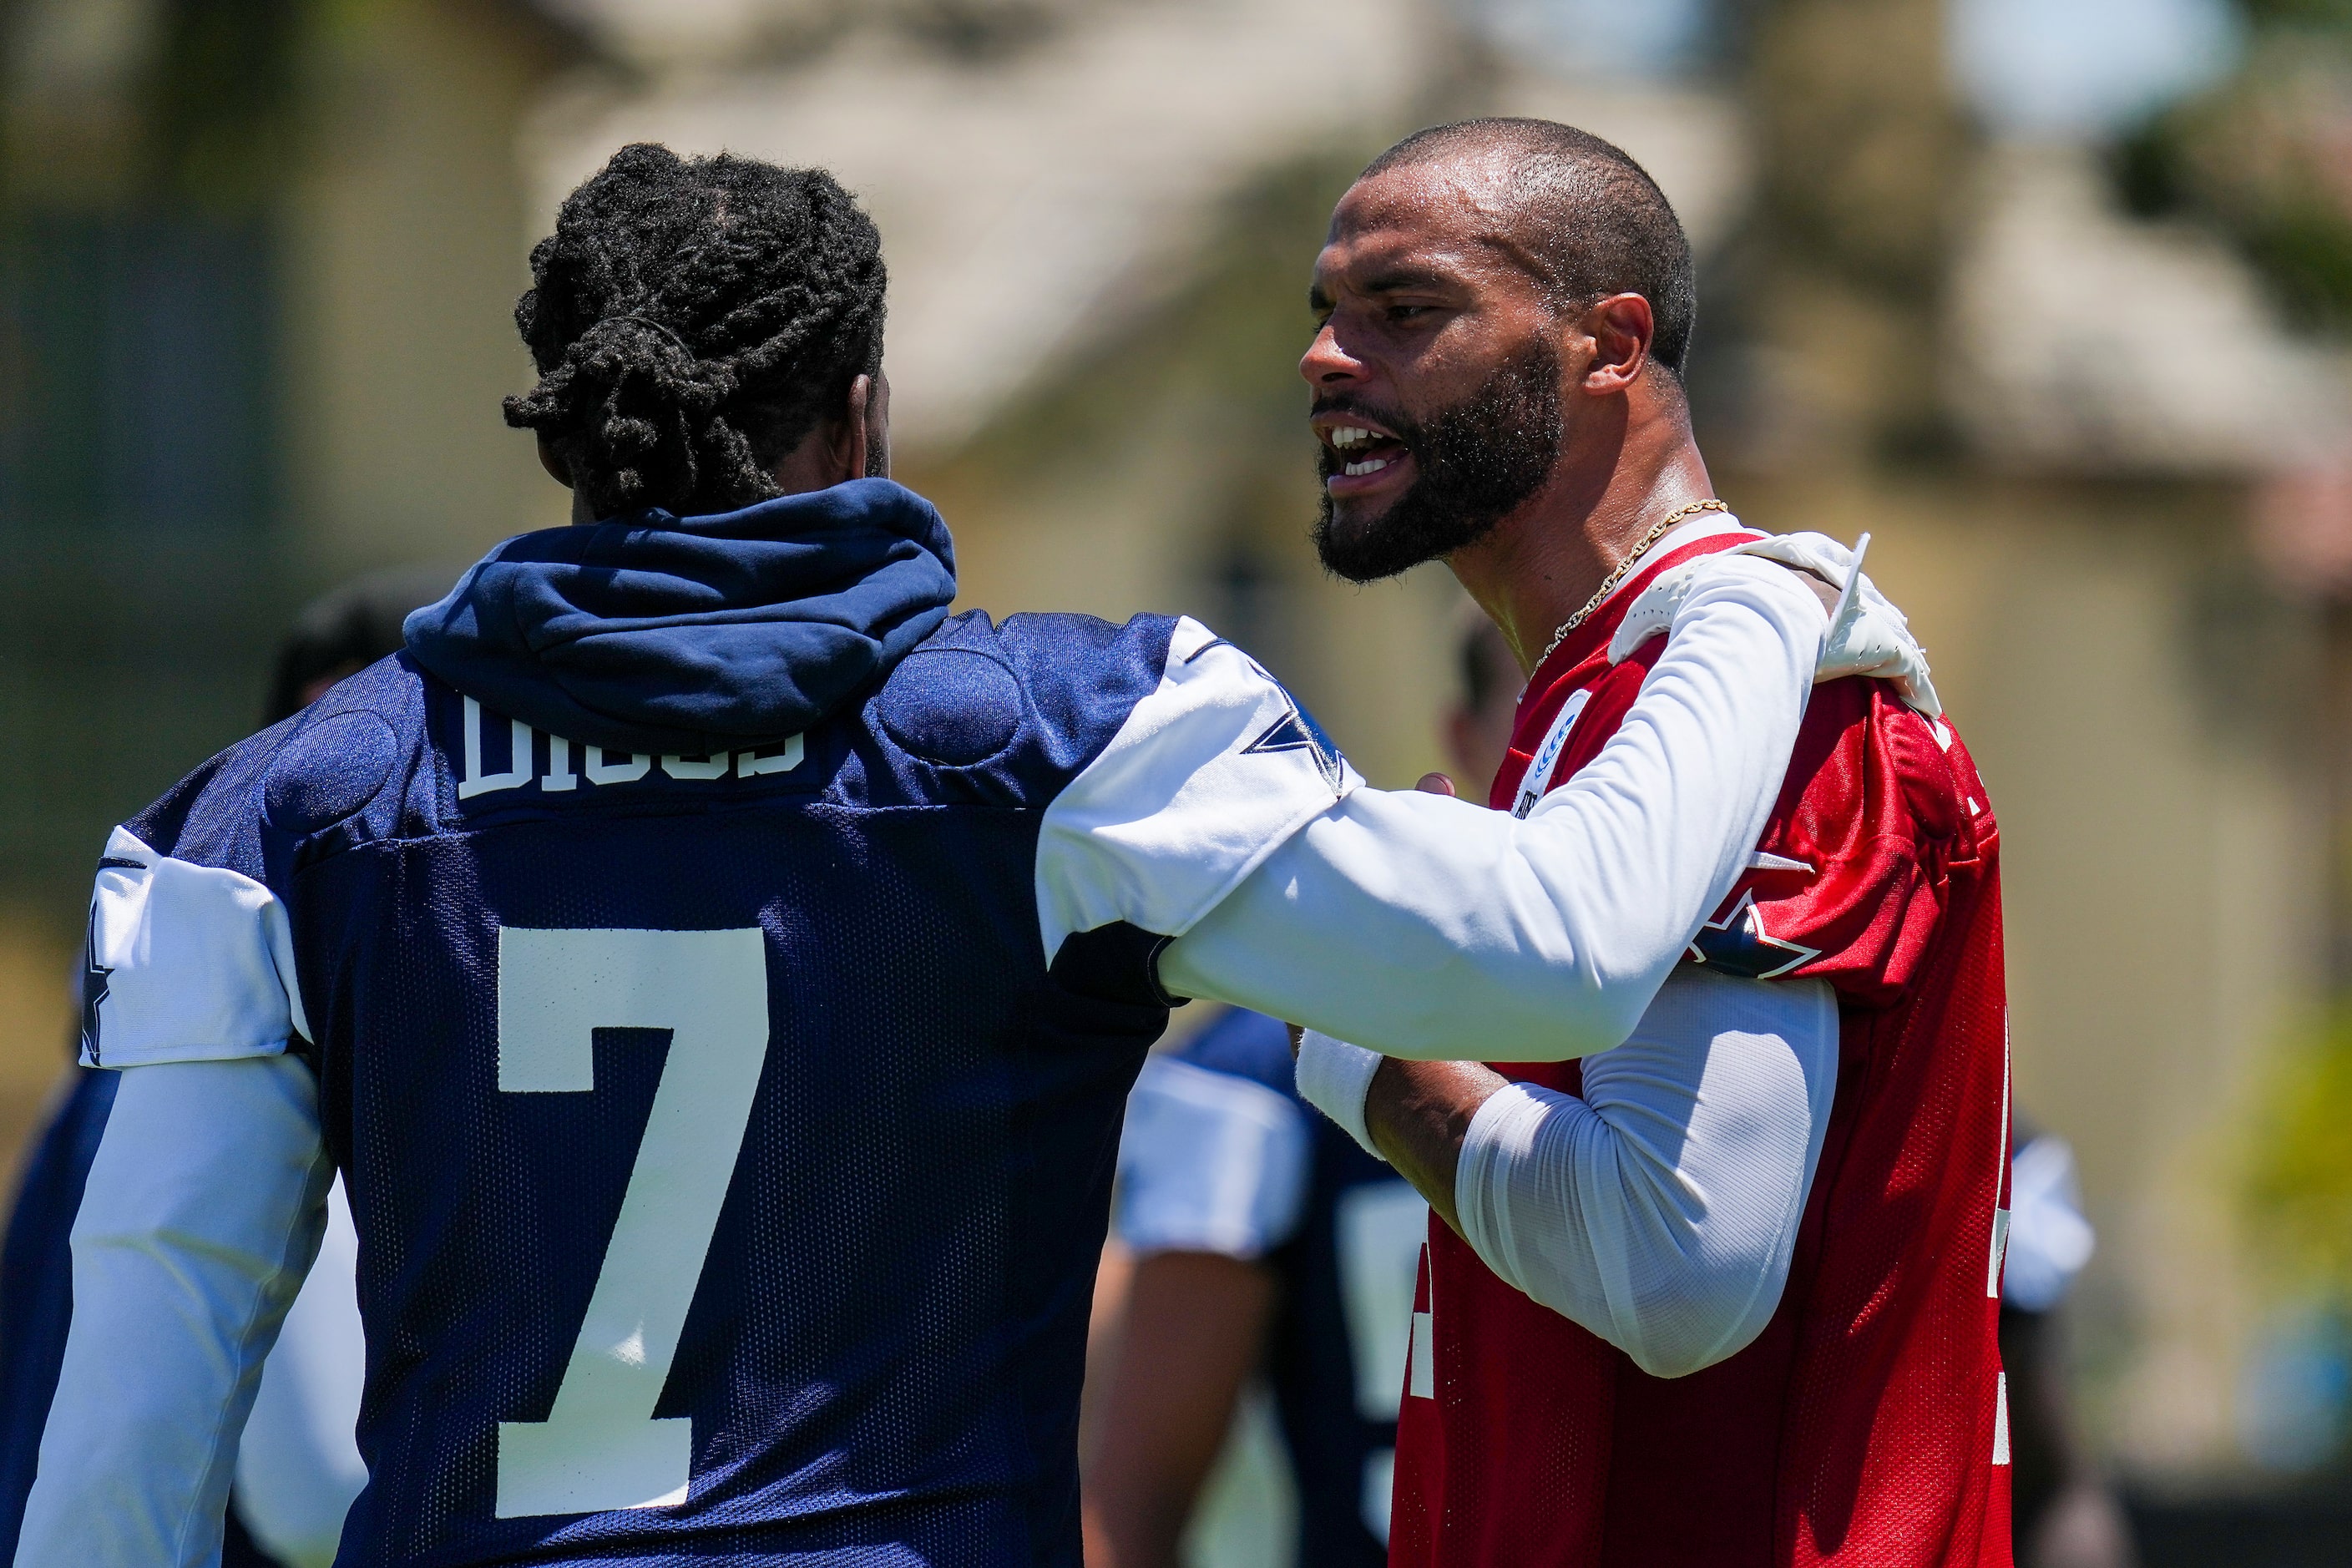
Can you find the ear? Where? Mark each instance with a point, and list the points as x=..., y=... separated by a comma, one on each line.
x=852, y=435
x=877, y=427
x=1620, y=328
x=550, y=460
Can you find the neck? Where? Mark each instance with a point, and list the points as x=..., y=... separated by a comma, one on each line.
x=1542, y=563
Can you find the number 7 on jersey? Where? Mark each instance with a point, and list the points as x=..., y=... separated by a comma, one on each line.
x=600, y=1447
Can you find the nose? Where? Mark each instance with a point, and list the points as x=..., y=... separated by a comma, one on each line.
x=1325, y=362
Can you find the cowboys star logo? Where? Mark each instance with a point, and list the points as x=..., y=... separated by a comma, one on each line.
x=1295, y=731
x=94, y=974
x=1736, y=943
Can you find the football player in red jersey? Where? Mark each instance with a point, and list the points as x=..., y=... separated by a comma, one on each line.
x=1725, y=1294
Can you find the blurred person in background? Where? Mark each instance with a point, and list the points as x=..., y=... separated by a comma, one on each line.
x=2067, y=1515
x=1263, y=1238
x=299, y=1467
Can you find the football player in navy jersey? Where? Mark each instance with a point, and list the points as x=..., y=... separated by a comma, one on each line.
x=717, y=972
x=1264, y=1239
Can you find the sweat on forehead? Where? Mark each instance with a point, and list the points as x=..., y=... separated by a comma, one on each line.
x=1577, y=209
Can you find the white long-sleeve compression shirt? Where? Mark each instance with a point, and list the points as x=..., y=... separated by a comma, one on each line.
x=1426, y=927
x=1660, y=1208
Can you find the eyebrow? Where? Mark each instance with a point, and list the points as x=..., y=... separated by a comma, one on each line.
x=1402, y=278
x=1394, y=280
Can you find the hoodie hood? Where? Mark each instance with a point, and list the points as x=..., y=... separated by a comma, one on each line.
x=686, y=636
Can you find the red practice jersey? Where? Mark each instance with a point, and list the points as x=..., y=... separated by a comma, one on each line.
x=1868, y=1424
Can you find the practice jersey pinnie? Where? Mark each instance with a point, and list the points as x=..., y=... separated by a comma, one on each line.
x=727, y=1160
x=1867, y=1425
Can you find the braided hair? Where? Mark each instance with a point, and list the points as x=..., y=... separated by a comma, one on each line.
x=692, y=319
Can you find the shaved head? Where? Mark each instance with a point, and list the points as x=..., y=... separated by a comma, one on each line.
x=1583, y=217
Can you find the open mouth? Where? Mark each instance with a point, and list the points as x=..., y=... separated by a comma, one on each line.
x=1357, y=451
x=1360, y=459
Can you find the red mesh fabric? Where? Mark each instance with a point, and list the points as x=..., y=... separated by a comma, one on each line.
x=1859, y=1427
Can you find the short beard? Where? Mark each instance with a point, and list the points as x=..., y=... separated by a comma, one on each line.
x=1478, y=460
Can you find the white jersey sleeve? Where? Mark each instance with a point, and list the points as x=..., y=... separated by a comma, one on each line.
x=1209, y=1162
x=204, y=1209
x=1660, y=1209
x=1209, y=772
x=187, y=962
x=298, y=1468
x=1426, y=927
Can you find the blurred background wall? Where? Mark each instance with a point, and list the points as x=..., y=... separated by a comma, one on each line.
x=2049, y=295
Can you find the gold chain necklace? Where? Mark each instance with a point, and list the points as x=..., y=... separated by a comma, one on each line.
x=1609, y=582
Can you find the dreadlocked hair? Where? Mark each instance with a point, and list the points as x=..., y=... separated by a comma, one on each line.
x=692, y=319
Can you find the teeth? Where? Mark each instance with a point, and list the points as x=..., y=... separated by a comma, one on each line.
x=1350, y=435
x=1370, y=466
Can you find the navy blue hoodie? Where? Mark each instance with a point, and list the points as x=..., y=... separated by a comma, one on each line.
x=691, y=636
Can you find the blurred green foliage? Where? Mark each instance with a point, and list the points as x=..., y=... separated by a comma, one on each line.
x=2265, y=157
x=2299, y=1179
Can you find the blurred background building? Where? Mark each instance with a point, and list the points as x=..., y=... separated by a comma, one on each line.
x=2049, y=295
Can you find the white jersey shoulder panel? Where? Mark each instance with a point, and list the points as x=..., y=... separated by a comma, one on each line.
x=196, y=962
x=1208, y=1162
x=1209, y=775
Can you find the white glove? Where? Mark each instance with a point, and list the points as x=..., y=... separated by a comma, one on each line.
x=1867, y=635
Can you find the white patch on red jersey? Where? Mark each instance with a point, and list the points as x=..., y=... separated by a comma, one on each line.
x=1765, y=860
x=1538, y=777
x=2000, y=1418
x=1421, y=1381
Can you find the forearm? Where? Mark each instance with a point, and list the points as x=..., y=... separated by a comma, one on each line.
x=1194, y=1326
x=1428, y=928
x=202, y=1213
x=1418, y=1114
x=1660, y=1208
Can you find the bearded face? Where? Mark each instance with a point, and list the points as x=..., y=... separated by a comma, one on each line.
x=1475, y=463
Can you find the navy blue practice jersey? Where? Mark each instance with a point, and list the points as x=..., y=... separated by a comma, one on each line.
x=1223, y=1156
x=727, y=1158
